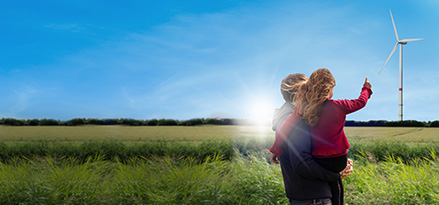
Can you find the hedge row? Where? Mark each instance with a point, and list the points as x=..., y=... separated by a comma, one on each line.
x=122, y=121
x=384, y=123
x=193, y=122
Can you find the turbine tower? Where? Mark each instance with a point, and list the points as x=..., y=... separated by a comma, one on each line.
x=401, y=43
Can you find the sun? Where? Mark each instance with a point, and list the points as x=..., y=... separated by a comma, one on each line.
x=260, y=110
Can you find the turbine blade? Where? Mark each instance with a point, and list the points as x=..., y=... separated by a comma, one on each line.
x=394, y=27
x=394, y=48
x=408, y=40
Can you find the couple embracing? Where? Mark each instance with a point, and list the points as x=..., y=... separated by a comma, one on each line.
x=310, y=143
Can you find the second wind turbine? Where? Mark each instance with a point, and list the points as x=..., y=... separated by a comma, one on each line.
x=401, y=43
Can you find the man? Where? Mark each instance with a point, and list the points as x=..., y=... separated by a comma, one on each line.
x=306, y=182
x=287, y=108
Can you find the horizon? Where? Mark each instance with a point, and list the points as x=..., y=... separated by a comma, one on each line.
x=208, y=59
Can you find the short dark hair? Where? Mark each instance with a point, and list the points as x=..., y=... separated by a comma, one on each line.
x=288, y=82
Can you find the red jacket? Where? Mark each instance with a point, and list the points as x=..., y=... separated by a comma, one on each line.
x=328, y=137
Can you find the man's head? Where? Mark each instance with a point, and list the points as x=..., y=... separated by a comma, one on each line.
x=286, y=87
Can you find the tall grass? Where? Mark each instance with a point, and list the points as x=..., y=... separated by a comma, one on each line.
x=394, y=182
x=378, y=150
x=117, y=149
x=161, y=180
x=166, y=180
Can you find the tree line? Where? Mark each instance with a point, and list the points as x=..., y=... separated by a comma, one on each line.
x=115, y=121
x=193, y=122
x=384, y=123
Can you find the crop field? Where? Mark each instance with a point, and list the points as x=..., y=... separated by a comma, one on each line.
x=131, y=133
x=197, y=133
x=200, y=165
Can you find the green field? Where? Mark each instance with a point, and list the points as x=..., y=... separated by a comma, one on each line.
x=200, y=165
x=197, y=133
x=131, y=133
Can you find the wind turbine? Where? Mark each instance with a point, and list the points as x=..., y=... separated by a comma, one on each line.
x=401, y=43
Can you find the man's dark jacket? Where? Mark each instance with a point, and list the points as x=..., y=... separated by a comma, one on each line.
x=304, y=179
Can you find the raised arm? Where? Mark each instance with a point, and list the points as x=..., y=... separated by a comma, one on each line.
x=350, y=106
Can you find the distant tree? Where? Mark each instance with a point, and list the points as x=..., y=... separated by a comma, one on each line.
x=13, y=122
x=110, y=122
x=405, y=123
x=434, y=124
x=167, y=122
x=33, y=122
x=131, y=122
x=93, y=121
x=377, y=123
x=372, y=123
x=153, y=122
x=214, y=121
x=49, y=122
x=227, y=121
x=76, y=122
x=192, y=122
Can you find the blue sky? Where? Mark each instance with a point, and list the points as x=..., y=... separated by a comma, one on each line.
x=189, y=59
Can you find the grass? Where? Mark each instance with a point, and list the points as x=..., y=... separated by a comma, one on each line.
x=406, y=134
x=11, y=134
x=147, y=181
x=200, y=165
x=113, y=150
x=394, y=182
x=197, y=133
x=164, y=180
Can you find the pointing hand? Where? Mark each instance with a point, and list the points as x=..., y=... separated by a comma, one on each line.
x=367, y=84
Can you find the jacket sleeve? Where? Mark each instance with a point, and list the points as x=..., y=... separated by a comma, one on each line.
x=282, y=134
x=350, y=106
x=299, y=151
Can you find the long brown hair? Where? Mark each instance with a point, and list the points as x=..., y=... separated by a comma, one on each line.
x=312, y=94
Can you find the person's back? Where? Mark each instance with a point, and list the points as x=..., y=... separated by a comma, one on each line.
x=303, y=178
